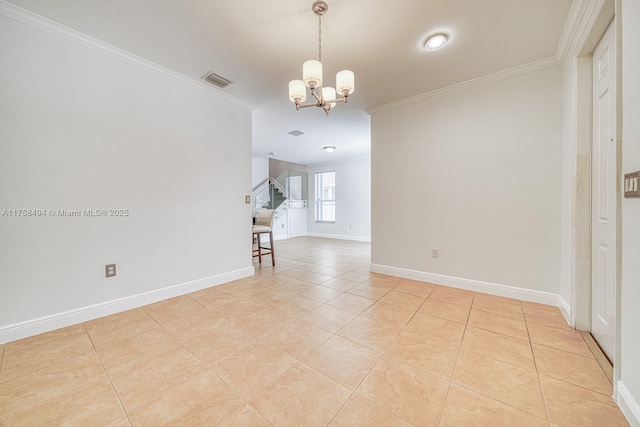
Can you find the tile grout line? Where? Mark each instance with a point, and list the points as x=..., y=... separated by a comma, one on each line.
x=535, y=364
x=196, y=358
x=488, y=396
x=483, y=394
x=457, y=360
x=222, y=379
x=47, y=366
x=381, y=407
x=185, y=348
x=126, y=413
x=348, y=398
x=502, y=403
x=382, y=354
x=506, y=336
x=608, y=395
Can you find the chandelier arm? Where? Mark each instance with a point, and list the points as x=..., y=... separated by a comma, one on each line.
x=298, y=106
x=331, y=101
x=318, y=99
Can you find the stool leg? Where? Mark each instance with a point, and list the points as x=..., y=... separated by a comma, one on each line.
x=259, y=250
x=273, y=259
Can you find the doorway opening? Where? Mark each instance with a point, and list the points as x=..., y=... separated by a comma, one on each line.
x=595, y=269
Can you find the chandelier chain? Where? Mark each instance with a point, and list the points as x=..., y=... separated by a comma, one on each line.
x=320, y=38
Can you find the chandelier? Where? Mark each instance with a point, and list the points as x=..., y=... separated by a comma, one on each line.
x=325, y=97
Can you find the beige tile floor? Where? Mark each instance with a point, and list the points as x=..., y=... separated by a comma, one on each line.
x=316, y=340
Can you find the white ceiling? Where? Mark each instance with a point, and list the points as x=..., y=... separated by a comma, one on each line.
x=261, y=45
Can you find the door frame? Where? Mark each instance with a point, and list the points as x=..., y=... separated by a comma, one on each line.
x=581, y=245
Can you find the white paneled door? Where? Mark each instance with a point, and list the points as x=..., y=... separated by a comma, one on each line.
x=604, y=194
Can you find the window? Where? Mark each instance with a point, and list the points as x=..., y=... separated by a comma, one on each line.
x=326, y=197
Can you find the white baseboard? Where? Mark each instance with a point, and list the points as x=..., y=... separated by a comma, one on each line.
x=471, y=285
x=29, y=328
x=630, y=408
x=565, y=309
x=341, y=237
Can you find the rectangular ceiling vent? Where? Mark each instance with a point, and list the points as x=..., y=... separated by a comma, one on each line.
x=215, y=79
x=296, y=133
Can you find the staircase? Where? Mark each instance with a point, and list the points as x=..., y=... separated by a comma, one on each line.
x=282, y=194
x=270, y=194
x=277, y=197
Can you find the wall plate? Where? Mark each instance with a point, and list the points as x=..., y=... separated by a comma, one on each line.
x=631, y=188
x=110, y=270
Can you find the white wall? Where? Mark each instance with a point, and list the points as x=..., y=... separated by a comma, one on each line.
x=475, y=173
x=84, y=130
x=567, y=190
x=630, y=277
x=297, y=222
x=353, y=200
x=259, y=170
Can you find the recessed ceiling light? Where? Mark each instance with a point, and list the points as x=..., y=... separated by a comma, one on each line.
x=435, y=42
x=329, y=149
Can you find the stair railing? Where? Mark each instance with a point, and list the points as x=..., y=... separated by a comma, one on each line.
x=270, y=180
x=264, y=194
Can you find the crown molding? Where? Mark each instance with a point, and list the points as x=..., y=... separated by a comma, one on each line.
x=22, y=15
x=571, y=25
x=469, y=84
x=578, y=38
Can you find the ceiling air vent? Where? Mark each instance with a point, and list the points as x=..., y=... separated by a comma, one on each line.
x=215, y=79
x=296, y=133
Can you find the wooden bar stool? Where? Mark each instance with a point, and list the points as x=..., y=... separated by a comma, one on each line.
x=264, y=224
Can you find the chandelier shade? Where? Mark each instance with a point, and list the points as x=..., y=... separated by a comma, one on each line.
x=297, y=91
x=324, y=97
x=329, y=93
x=312, y=73
x=345, y=81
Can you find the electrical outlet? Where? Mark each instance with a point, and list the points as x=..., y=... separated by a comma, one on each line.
x=110, y=270
x=349, y=226
x=247, y=199
x=435, y=253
